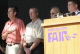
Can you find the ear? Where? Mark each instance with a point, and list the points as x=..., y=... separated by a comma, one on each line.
x=76, y=5
x=15, y=13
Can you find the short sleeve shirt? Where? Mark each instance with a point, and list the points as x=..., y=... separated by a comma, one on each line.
x=34, y=31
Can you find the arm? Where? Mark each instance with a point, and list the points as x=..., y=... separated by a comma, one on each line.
x=35, y=44
x=39, y=38
x=6, y=32
x=22, y=31
x=4, y=35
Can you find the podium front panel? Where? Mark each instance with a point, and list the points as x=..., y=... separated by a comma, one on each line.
x=62, y=39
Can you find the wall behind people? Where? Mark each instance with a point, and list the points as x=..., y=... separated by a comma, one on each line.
x=79, y=4
x=3, y=13
x=44, y=7
x=3, y=19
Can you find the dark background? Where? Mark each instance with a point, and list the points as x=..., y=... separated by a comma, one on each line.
x=44, y=7
x=3, y=19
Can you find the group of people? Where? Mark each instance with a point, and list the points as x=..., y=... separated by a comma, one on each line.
x=72, y=7
x=19, y=38
x=29, y=39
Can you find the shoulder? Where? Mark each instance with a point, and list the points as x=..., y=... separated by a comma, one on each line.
x=19, y=21
x=7, y=22
x=29, y=23
x=40, y=21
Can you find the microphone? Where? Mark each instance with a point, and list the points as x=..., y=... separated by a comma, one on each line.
x=73, y=13
x=59, y=15
x=69, y=14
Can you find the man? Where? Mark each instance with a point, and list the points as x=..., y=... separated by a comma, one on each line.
x=34, y=34
x=54, y=11
x=13, y=31
x=73, y=7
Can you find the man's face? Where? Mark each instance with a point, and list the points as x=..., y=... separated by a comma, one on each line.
x=71, y=6
x=53, y=13
x=32, y=13
x=10, y=12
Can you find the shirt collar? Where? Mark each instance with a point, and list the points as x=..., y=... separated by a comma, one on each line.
x=77, y=12
x=13, y=21
x=36, y=21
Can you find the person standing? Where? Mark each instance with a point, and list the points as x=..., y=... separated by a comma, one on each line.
x=13, y=31
x=73, y=7
x=34, y=34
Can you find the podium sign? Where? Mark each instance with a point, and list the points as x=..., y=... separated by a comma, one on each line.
x=62, y=35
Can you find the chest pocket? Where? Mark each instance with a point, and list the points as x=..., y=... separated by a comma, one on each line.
x=35, y=29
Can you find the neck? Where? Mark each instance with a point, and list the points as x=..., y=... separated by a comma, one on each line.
x=74, y=10
x=12, y=19
x=34, y=19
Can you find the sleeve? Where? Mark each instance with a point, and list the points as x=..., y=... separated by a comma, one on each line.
x=4, y=29
x=22, y=29
x=40, y=32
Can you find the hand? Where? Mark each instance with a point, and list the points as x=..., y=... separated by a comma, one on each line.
x=11, y=29
x=24, y=44
x=27, y=50
x=20, y=52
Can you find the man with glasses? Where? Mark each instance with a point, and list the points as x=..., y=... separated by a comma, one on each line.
x=54, y=11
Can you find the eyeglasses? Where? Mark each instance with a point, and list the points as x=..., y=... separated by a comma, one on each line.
x=52, y=13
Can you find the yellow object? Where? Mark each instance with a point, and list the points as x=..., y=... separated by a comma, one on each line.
x=62, y=35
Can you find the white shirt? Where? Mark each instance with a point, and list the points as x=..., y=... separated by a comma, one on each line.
x=77, y=12
x=34, y=31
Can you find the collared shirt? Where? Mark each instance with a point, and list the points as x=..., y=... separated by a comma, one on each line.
x=34, y=31
x=15, y=36
x=77, y=12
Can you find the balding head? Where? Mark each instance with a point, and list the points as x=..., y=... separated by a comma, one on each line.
x=54, y=11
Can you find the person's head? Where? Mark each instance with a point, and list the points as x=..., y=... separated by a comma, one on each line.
x=12, y=11
x=33, y=13
x=54, y=11
x=72, y=6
